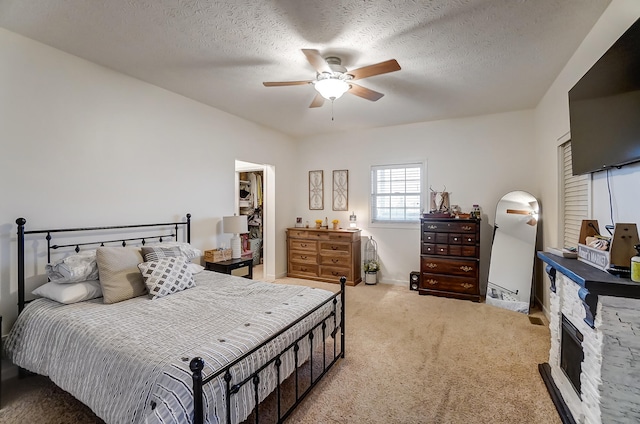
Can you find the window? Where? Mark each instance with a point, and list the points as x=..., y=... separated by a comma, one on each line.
x=574, y=195
x=396, y=193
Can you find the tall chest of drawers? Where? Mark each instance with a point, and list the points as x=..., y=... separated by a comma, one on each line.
x=450, y=258
x=324, y=255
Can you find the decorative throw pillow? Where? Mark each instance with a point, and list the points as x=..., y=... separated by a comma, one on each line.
x=187, y=250
x=166, y=276
x=155, y=253
x=120, y=278
x=70, y=292
x=74, y=268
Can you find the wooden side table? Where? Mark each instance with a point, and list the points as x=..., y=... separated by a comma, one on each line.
x=227, y=266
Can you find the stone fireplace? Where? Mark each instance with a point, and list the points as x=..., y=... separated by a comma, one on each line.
x=593, y=374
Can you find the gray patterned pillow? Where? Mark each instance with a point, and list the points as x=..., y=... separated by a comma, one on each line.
x=166, y=276
x=155, y=253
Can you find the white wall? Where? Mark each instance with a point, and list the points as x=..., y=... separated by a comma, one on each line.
x=82, y=145
x=478, y=160
x=552, y=121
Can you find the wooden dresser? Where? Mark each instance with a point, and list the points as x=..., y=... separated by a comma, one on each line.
x=450, y=258
x=324, y=255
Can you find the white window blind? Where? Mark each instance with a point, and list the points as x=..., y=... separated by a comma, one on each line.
x=396, y=193
x=575, y=198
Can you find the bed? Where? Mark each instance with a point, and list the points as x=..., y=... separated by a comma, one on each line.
x=209, y=353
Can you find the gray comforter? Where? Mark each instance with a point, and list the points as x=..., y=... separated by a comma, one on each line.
x=129, y=361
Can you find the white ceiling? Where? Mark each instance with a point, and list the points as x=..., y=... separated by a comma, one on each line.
x=458, y=57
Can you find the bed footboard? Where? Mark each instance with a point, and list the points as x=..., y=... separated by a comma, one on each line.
x=197, y=364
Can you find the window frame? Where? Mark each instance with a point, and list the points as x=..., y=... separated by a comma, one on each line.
x=422, y=165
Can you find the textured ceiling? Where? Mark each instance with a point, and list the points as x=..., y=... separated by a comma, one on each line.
x=458, y=57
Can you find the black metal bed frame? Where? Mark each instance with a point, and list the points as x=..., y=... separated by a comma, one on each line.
x=197, y=364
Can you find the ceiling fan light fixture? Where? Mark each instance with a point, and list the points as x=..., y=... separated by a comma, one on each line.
x=331, y=88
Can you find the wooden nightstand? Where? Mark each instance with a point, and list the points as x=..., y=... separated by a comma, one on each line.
x=227, y=266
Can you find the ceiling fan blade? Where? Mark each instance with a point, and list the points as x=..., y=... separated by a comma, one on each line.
x=284, y=83
x=377, y=69
x=365, y=93
x=317, y=61
x=518, y=211
x=317, y=101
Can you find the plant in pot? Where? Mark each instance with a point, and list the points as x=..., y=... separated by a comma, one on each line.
x=371, y=269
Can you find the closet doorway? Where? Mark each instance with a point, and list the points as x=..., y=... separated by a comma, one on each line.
x=254, y=198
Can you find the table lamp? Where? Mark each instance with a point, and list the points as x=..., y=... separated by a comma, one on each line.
x=235, y=225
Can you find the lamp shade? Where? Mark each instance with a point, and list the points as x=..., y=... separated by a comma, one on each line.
x=235, y=224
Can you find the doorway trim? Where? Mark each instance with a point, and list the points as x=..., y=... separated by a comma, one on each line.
x=268, y=211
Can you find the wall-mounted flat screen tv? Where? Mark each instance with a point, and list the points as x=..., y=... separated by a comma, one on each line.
x=604, y=108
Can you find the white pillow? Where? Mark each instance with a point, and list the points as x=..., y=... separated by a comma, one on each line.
x=187, y=250
x=70, y=292
x=74, y=268
x=194, y=268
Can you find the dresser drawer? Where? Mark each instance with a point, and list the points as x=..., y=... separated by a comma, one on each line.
x=334, y=272
x=461, y=267
x=303, y=257
x=455, y=238
x=328, y=247
x=428, y=249
x=347, y=237
x=306, y=245
x=335, y=260
x=310, y=270
x=429, y=237
x=298, y=233
x=449, y=283
x=442, y=238
x=449, y=227
x=469, y=251
x=442, y=249
x=469, y=239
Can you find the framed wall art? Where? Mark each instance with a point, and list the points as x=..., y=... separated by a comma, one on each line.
x=316, y=190
x=341, y=190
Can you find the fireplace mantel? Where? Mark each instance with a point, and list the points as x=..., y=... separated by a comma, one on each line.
x=592, y=281
x=609, y=371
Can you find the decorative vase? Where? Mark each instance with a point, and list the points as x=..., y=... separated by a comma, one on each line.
x=336, y=226
x=371, y=277
x=318, y=225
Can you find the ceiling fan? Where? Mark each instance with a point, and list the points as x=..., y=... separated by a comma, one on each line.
x=333, y=80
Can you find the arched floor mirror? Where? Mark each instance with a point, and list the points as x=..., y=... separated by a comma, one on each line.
x=513, y=252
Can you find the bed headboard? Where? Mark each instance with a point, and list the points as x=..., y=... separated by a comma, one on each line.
x=166, y=226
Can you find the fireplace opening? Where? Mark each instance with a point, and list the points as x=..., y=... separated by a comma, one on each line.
x=571, y=353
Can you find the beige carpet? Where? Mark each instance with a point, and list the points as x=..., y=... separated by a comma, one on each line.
x=409, y=359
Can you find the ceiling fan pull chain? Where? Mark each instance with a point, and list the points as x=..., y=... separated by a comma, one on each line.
x=332, y=109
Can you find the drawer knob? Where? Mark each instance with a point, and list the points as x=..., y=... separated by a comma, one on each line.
x=467, y=228
x=466, y=268
x=335, y=261
x=334, y=247
x=432, y=281
x=455, y=239
x=303, y=257
x=469, y=239
x=431, y=265
x=335, y=274
x=466, y=285
x=303, y=244
x=442, y=249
